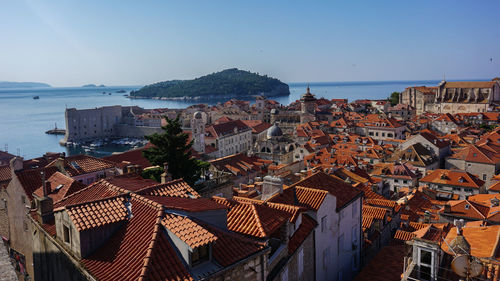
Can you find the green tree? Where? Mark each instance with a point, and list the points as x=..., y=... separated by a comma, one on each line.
x=394, y=99
x=172, y=147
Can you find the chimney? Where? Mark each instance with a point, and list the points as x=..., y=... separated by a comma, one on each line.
x=271, y=186
x=60, y=165
x=494, y=202
x=166, y=176
x=46, y=188
x=447, y=208
x=128, y=206
x=16, y=164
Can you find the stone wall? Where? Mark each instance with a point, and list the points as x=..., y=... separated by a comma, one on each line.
x=300, y=266
x=51, y=261
x=483, y=171
x=18, y=204
x=123, y=130
x=252, y=269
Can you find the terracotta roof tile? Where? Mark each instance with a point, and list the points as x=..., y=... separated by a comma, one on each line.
x=232, y=247
x=61, y=186
x=255, y=220
x=122, y=257
x=31, y=179
x=404, y=235
x=95, y=191
x=452, y=177
x=374, y=212
x=83, y=164
x=5, y=174
x=175, y=188
x=97, y=213
x=188, y=230
x=186, y=204
x=343, y=192
x=301, y=196
x=483, y=240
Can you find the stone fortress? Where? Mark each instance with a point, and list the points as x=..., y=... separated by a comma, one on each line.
x=112, y=122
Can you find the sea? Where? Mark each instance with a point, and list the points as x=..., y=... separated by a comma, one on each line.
x=24, y=120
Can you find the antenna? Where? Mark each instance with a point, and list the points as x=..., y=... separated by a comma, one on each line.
x=6, y=147
x=18, y=152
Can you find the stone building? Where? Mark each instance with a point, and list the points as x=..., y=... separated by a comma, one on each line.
x=107, y=122
x=128, y=229
x=275, y=146
x=421, y=98
x=454, y=97
x=336, y=206
x=461, y=183
x=198, y=132
x=227, y=138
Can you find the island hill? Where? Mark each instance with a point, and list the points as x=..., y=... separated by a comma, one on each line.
x=227, y=83
x=7, y=84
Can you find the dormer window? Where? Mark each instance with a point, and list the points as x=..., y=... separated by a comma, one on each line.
x=200, y=254
x=66, y=234
x=467, y=206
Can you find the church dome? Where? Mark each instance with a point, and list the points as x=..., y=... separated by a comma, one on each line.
x=197, y=115
x=274, y=131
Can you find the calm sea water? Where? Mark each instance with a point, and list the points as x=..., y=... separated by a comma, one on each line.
x=24, y=120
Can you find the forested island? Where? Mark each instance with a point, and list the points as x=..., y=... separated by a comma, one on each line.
x=6, y=84
x=227, y=83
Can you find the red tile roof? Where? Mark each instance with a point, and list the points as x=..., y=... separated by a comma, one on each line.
x=31, y=179
x=188, y=230
x=470, y=84
x=95, y=191
x=83, y=164
x=453, y=177
x=175, y=188
x=374, y=212
x=97, y=213
x=309, y=198
x=255, y=220
x=343, y=192
x=61, y=186
x=5, y=174
x=125, y=254
x=133, y=157
x=186, y=204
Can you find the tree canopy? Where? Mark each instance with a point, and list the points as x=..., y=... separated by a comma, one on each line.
x=172, y=147
x=394, y=98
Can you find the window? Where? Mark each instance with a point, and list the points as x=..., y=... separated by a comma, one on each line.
x=323, y=224
x=199, y=255
x=66, y=234
x=484, y=177
x=23, y=199
x=425, y=264
x=25, y=226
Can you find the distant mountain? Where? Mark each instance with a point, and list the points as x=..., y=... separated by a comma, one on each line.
x=227, y=83
x=6, y=84
x=92, y=86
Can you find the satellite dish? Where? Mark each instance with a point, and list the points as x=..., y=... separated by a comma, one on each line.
x=466, y=266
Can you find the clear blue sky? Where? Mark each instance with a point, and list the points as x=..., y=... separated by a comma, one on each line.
x=131, y=42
